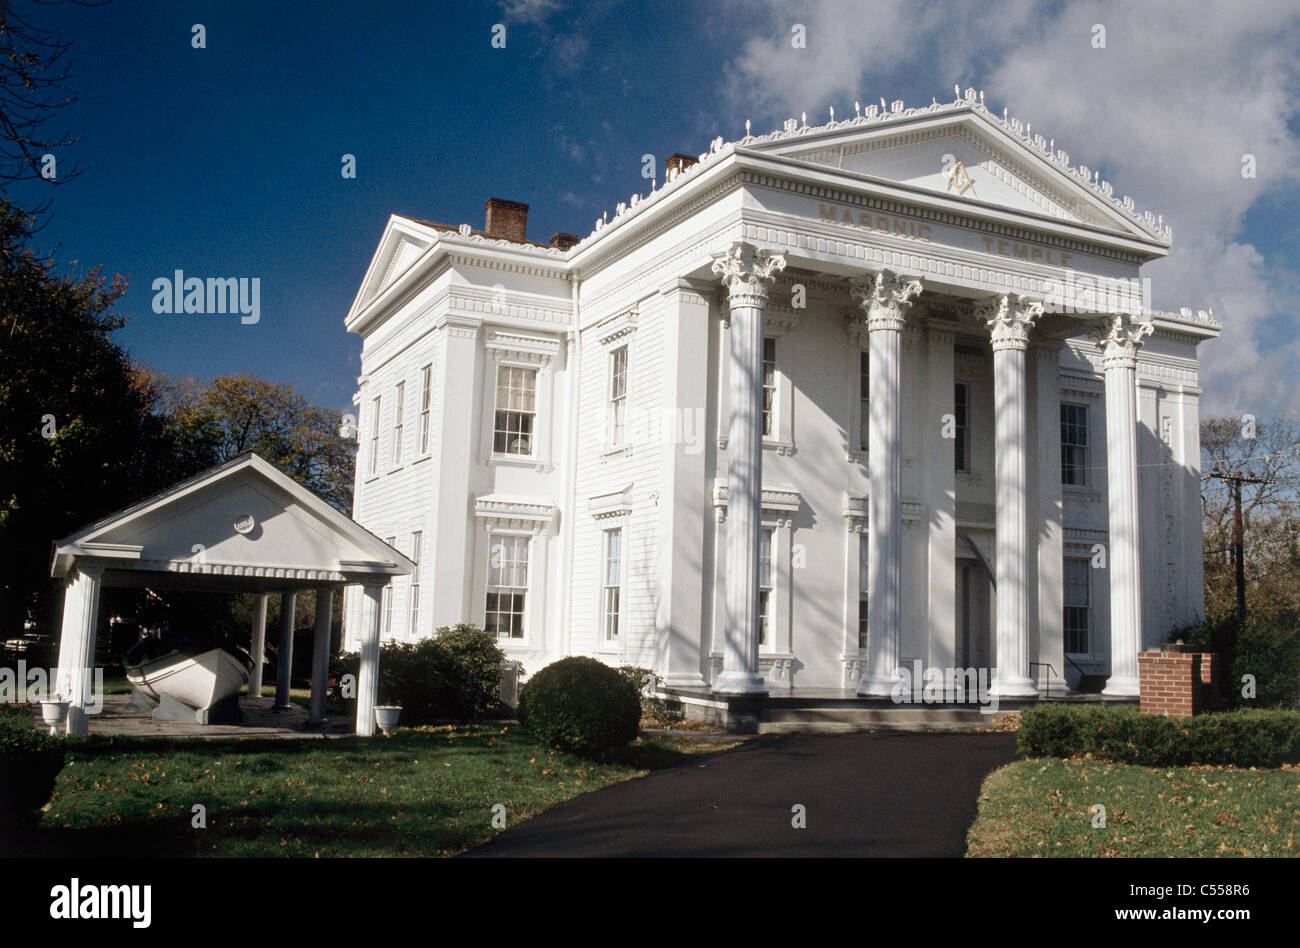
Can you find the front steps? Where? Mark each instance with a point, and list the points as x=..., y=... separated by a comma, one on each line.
x=894, y=718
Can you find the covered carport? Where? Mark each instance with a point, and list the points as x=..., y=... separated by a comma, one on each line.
x=240, y=527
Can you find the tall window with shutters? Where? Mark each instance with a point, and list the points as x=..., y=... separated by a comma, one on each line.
x=1074, y=445
x=766, y=539
x=862, y=590
x=864, y=401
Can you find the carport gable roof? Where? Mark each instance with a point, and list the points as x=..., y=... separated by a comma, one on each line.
x=243, y=520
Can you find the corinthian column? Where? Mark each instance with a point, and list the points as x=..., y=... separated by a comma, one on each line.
x=1120, y=338
x=1009, y=320
x=885, y=299
x=747, y=273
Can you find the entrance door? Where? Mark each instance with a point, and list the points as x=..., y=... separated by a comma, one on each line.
x=974, y=641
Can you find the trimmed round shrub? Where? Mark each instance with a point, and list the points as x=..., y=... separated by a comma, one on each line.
x=30, y=760
x=582, y=705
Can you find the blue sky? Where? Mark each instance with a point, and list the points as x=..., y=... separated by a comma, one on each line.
x=225, y=161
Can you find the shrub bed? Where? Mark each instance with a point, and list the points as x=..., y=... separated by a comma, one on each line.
x=582, y=705
x=1245, y=738
x=30, y=760
x=451, y=677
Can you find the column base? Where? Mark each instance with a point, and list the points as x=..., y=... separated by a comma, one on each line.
x=685, y=681
x=740, y=683
x=77, y=722
x=1122, y=687
x=876, y=686
x=1013, y=686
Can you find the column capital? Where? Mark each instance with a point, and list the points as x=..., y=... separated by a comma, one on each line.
x=747, y=272
x=885, y=297
x=1009, y=319
x=1120, y=337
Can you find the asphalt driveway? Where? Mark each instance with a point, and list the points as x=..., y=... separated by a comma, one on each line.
x=881, y=794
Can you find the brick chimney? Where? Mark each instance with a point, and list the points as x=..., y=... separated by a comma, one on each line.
x=508, y=219
x=680, y=162
x=564, y=241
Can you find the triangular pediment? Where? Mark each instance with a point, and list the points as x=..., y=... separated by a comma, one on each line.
x=969, y=156
x=404, y=242
x=243, y=518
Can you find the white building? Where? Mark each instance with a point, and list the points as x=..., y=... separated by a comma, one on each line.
x=924, y=327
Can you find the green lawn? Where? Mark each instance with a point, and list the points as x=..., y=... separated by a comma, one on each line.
x=1042, y=807
x=421, y=792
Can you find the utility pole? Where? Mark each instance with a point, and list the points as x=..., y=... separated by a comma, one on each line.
x=1235, y=480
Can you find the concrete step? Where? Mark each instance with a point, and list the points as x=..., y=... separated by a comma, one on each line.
x=898, y=718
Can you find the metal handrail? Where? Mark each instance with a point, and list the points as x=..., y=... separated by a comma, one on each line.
x=1048, y=666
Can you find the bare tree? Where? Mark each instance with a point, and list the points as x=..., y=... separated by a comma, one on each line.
x=33, y=77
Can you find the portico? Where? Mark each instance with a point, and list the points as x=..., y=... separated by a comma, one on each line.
x=241, y=527
x=816, y=408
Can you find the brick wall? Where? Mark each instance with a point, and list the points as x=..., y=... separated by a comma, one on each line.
x=1177, y=681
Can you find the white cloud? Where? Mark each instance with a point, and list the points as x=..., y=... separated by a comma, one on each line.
x=1167, y=110
x=528, y=11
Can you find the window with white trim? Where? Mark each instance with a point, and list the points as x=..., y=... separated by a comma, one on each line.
x=864, y=401
x=961, y=412
x=417, y=545
x=618, y=396
x=1077, y=602
x=1074, y=445
x=426, y=398
x=374, y=435
x=863, y=585
x=611, y=593
x=516, y=410
x=507, y=586
x=769, y=387
x=398, y=412
x=386, y=602
x=766, y=542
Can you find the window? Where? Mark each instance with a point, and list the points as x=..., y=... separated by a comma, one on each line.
x=426, y=396
x=611, y=587
x=961, y=412
x=1074, y=444
x=516, y=410
x=417, y=543
x=507, y=586
x=769, y=387
x=618, y=395
x=398, y=412
x=1077, y=613
x=766, y=537
x=862, y=590
x=864, y=401
x=386, y=602
x=374, y=436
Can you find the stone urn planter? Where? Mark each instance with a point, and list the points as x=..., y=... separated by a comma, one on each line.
x=54, y=713
x=386, y=716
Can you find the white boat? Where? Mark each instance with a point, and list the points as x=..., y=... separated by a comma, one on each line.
x=198, y=680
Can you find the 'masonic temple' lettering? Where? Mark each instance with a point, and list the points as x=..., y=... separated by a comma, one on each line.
x=915, y=230
x=898, y=226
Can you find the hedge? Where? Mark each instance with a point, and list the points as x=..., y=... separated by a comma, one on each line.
x=1244, y=738
x=30, y=760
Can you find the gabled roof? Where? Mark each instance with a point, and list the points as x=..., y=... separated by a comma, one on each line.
x=243, y=518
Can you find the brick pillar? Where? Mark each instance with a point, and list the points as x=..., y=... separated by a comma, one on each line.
x=1177, y=681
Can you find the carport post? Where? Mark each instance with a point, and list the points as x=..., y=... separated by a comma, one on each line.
x=368, y=678
x=284, y=665
x=320, y=655
x=258, y=647
x=77, y=643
